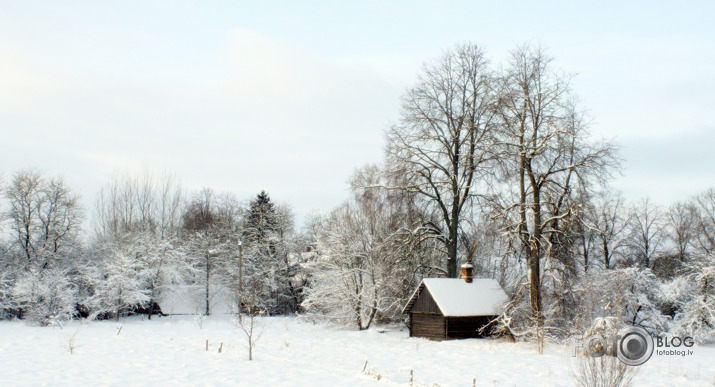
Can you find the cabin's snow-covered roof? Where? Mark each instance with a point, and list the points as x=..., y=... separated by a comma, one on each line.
x=456, y=297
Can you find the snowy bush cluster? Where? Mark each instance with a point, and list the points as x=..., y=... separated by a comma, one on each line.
x=488, y=165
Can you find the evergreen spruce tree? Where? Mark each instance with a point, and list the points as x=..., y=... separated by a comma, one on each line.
x=262, y=221
x=266, y=256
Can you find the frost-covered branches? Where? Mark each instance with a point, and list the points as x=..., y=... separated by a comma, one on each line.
x=139, y=203
x=45, y=296
x=442, y=142
x=607, y=219
x=647, y=228
x=117, y=282
x=44, y=217
x=352, y=277
x=546, y=158
x=364, y=264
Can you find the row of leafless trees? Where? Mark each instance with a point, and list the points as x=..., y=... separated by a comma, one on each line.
x=148, y=237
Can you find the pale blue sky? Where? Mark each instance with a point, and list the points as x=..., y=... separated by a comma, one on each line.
x=292, y=96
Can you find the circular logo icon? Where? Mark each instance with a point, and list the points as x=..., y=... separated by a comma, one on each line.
x=635, y=346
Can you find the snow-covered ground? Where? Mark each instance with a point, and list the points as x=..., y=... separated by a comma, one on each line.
x=172, y=351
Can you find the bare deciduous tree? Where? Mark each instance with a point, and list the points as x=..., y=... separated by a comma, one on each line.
x=352, y=277
x=365, y=262
x=442, y=141
x=647, y=232
x=203, y=225
x=139, y=202
x=45, y=216
x=249, y=308
x=681, y=223
x=546, y=154
x=705, y=207
x=211, y=233
x=608, y=219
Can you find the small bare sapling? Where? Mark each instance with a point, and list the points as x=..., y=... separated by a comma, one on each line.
x=70, y=343
x=199, y=319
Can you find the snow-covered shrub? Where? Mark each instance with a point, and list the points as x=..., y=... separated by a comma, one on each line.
x=632, y=295
x=6, y=303
x=676, y=292
x=163, y=264
x=604, y=326
x=45, y=296
x=604, y=371
x=696, y=319
x=607, y=370
x=117, y=283
x=333, y=298
x=694, y=296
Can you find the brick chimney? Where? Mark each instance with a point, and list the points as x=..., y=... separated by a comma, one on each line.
x=467, y=273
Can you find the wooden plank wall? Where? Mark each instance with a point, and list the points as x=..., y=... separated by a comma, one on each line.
x=466, y=327
x=430, y=326
x=425, y=304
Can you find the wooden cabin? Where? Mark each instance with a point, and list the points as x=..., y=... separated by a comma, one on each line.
x=454, y=308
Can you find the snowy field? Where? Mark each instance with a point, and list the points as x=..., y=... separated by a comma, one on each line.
x=172, y=351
